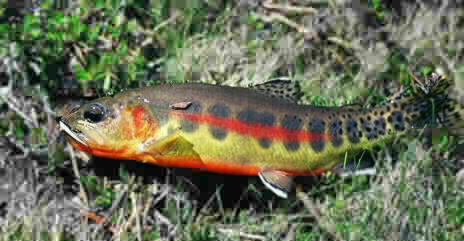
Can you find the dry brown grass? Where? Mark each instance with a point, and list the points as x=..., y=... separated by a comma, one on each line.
x=335, y=50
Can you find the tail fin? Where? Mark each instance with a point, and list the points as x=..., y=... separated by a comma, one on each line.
x=447, y=112
x=429, y=106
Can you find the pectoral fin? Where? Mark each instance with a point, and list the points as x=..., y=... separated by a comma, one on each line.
x=173, y=145
x=279, y=182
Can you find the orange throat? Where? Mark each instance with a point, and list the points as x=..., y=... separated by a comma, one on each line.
x=101, y=151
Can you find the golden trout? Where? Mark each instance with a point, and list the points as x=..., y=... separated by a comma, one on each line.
x=245, y=131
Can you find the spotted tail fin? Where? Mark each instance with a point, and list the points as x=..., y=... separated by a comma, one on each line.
x=444, y=112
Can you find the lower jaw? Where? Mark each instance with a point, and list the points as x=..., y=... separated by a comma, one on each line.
x=77, y=144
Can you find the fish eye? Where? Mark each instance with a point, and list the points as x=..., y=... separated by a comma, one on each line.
x=95, y=113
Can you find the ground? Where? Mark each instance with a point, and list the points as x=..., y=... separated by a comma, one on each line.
x=341, y=52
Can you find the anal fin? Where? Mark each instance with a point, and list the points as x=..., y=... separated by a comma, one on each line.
x=279, y=182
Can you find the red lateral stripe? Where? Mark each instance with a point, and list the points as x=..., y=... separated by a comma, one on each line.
x=254, y=129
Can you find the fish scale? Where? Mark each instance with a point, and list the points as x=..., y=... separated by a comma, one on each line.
x=244, y=131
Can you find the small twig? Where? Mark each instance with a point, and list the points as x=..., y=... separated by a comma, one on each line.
x=10, y=99
x=417, y=80
x=203, y=209
x=309, y=35
x=168, y=21
x=82, y=192
x=289, y=8
x=163, y=219
x=291, y=233
x=148, y=204
x=240, y=234
x=343, y=43
x=137, y=210
x=111, y=211
x=12, y=142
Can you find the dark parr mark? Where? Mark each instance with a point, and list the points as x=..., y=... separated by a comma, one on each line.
x=397, y=120
x=317, y=126
x=336, y=131
x=381, y=125
x=188, y=125
x=292, y=123
x=219, y=110
x=265, y=142
x=253, y=117
x=353, y=131
x=369, y=130
x=218, y=133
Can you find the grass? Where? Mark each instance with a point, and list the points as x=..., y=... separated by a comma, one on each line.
x=110, y=46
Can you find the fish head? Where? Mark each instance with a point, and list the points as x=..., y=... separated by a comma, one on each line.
x=110, y=127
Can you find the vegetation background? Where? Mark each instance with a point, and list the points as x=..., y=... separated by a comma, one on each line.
x=55, y=54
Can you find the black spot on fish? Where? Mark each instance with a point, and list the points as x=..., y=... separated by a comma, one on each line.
x=353, y=131
x=395, y=105
x=317, y=126
x=265, y=143
x=389, y=119
x=334, y=130
x=408, y=120
x=188, y=125
x=403, y=106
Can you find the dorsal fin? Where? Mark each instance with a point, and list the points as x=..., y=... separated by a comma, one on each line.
x=281, y=88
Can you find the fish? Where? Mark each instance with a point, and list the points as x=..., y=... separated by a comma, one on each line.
x=260, y=131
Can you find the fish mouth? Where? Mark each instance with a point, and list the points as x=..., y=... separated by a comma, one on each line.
x=65, y=127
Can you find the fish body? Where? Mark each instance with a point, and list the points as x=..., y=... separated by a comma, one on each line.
x=234, y=130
